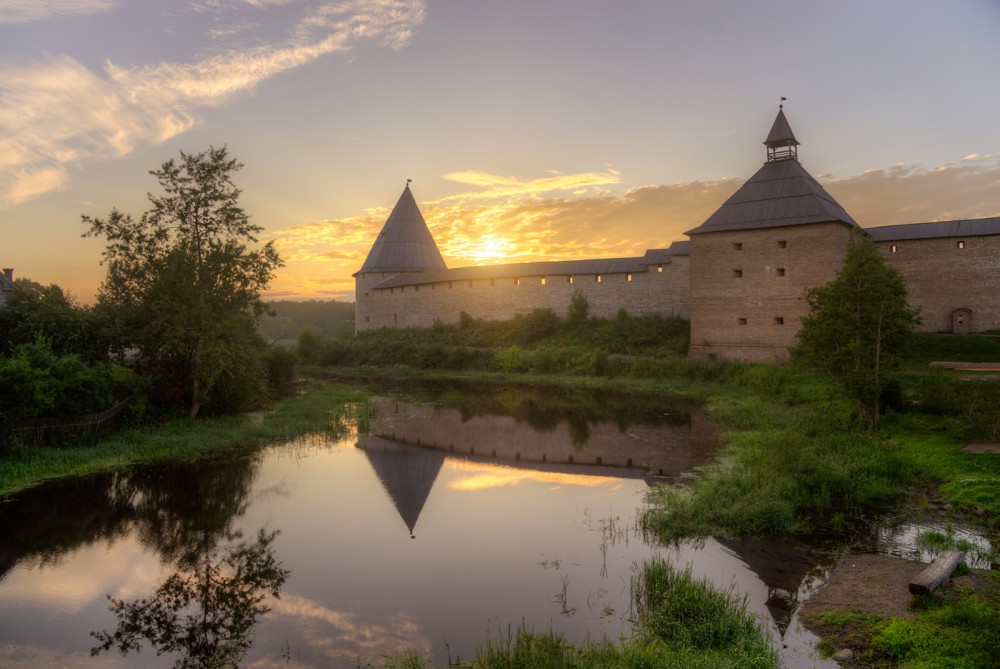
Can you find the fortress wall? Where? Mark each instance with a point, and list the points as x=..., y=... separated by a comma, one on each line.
x=941, y=277
x=661, y=289
x=747, y=287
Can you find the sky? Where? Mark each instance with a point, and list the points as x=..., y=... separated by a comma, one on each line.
x=532, y=129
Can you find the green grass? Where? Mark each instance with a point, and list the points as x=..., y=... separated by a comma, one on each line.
x=959, y=627
x=327, y=408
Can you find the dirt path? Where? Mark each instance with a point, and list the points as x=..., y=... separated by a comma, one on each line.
x=867, y=584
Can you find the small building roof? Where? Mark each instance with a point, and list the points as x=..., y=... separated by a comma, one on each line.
x=976, y=227
x=404, y=244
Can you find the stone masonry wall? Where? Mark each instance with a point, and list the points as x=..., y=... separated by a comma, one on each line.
x=747, y=287
x=661, y=289
x=949, y=273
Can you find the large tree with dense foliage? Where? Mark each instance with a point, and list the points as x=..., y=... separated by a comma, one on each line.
x=188, y=278
x=858, y=326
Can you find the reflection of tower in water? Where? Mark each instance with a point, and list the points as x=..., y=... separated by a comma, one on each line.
x=784, y=569
x=406, y=473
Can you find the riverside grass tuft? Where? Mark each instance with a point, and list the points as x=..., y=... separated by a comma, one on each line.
x=326, y=408
x=680, y=622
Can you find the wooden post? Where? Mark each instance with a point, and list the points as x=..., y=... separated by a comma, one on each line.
x=935, y=573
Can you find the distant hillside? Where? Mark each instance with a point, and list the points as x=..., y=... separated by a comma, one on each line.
x=327, y=317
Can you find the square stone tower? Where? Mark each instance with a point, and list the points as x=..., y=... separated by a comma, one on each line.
x=753, y=259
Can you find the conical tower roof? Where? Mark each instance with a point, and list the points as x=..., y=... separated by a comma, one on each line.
x=781, y=193
x=404, y=244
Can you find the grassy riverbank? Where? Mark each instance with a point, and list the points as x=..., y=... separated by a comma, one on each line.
x=681, y=622
x=322, y=408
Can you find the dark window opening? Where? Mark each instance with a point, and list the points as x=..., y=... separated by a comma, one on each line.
x=737, y=274
x=782, y=244
x=779, y=320
x=780, y=271
x=741, y=321
x=738, y=246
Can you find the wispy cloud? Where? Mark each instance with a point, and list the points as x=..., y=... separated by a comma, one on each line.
x=26, y=11
x=496, y=186
x=344, y=634
x=56, y=112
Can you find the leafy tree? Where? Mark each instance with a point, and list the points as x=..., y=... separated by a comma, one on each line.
x=188, y=277
x=858, y=326
x=578, y=309
x=36, y=312
x=37, y=383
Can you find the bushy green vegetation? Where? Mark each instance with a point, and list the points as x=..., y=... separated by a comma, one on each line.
x=328, y=409
x=539, y=341
x=790, y=464
x=926, y=348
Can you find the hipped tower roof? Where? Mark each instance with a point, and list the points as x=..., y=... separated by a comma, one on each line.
x=781, y=193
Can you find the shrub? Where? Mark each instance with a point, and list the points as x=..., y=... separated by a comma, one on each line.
x=537, y=325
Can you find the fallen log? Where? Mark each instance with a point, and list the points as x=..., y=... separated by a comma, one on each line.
x=936, y=573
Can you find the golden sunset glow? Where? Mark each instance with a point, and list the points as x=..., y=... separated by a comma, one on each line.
x=486, y=477
x=552, y=150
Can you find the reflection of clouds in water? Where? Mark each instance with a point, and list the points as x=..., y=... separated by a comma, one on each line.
x=343, y=634
x=79, y=578
x=31, y=657
x=485, y=477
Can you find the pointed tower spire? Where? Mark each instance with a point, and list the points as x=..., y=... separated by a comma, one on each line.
x=404, y=244
x=781, y=143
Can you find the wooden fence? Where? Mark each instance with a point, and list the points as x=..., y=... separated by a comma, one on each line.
x=42, y=429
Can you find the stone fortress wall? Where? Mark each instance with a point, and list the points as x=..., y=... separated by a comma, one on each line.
x=741, y=278
x=659, y=289
x=948, y=273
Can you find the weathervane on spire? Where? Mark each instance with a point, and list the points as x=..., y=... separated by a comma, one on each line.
x=781, y=104
x=409, y=181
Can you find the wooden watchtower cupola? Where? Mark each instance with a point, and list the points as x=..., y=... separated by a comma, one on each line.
x=781, y=143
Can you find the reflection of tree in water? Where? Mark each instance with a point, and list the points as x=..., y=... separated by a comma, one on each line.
x=206, y=610
x=544, y=407
x=176, y=509
x=181, y=511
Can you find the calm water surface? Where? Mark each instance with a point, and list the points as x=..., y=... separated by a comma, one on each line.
x=460, y=514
